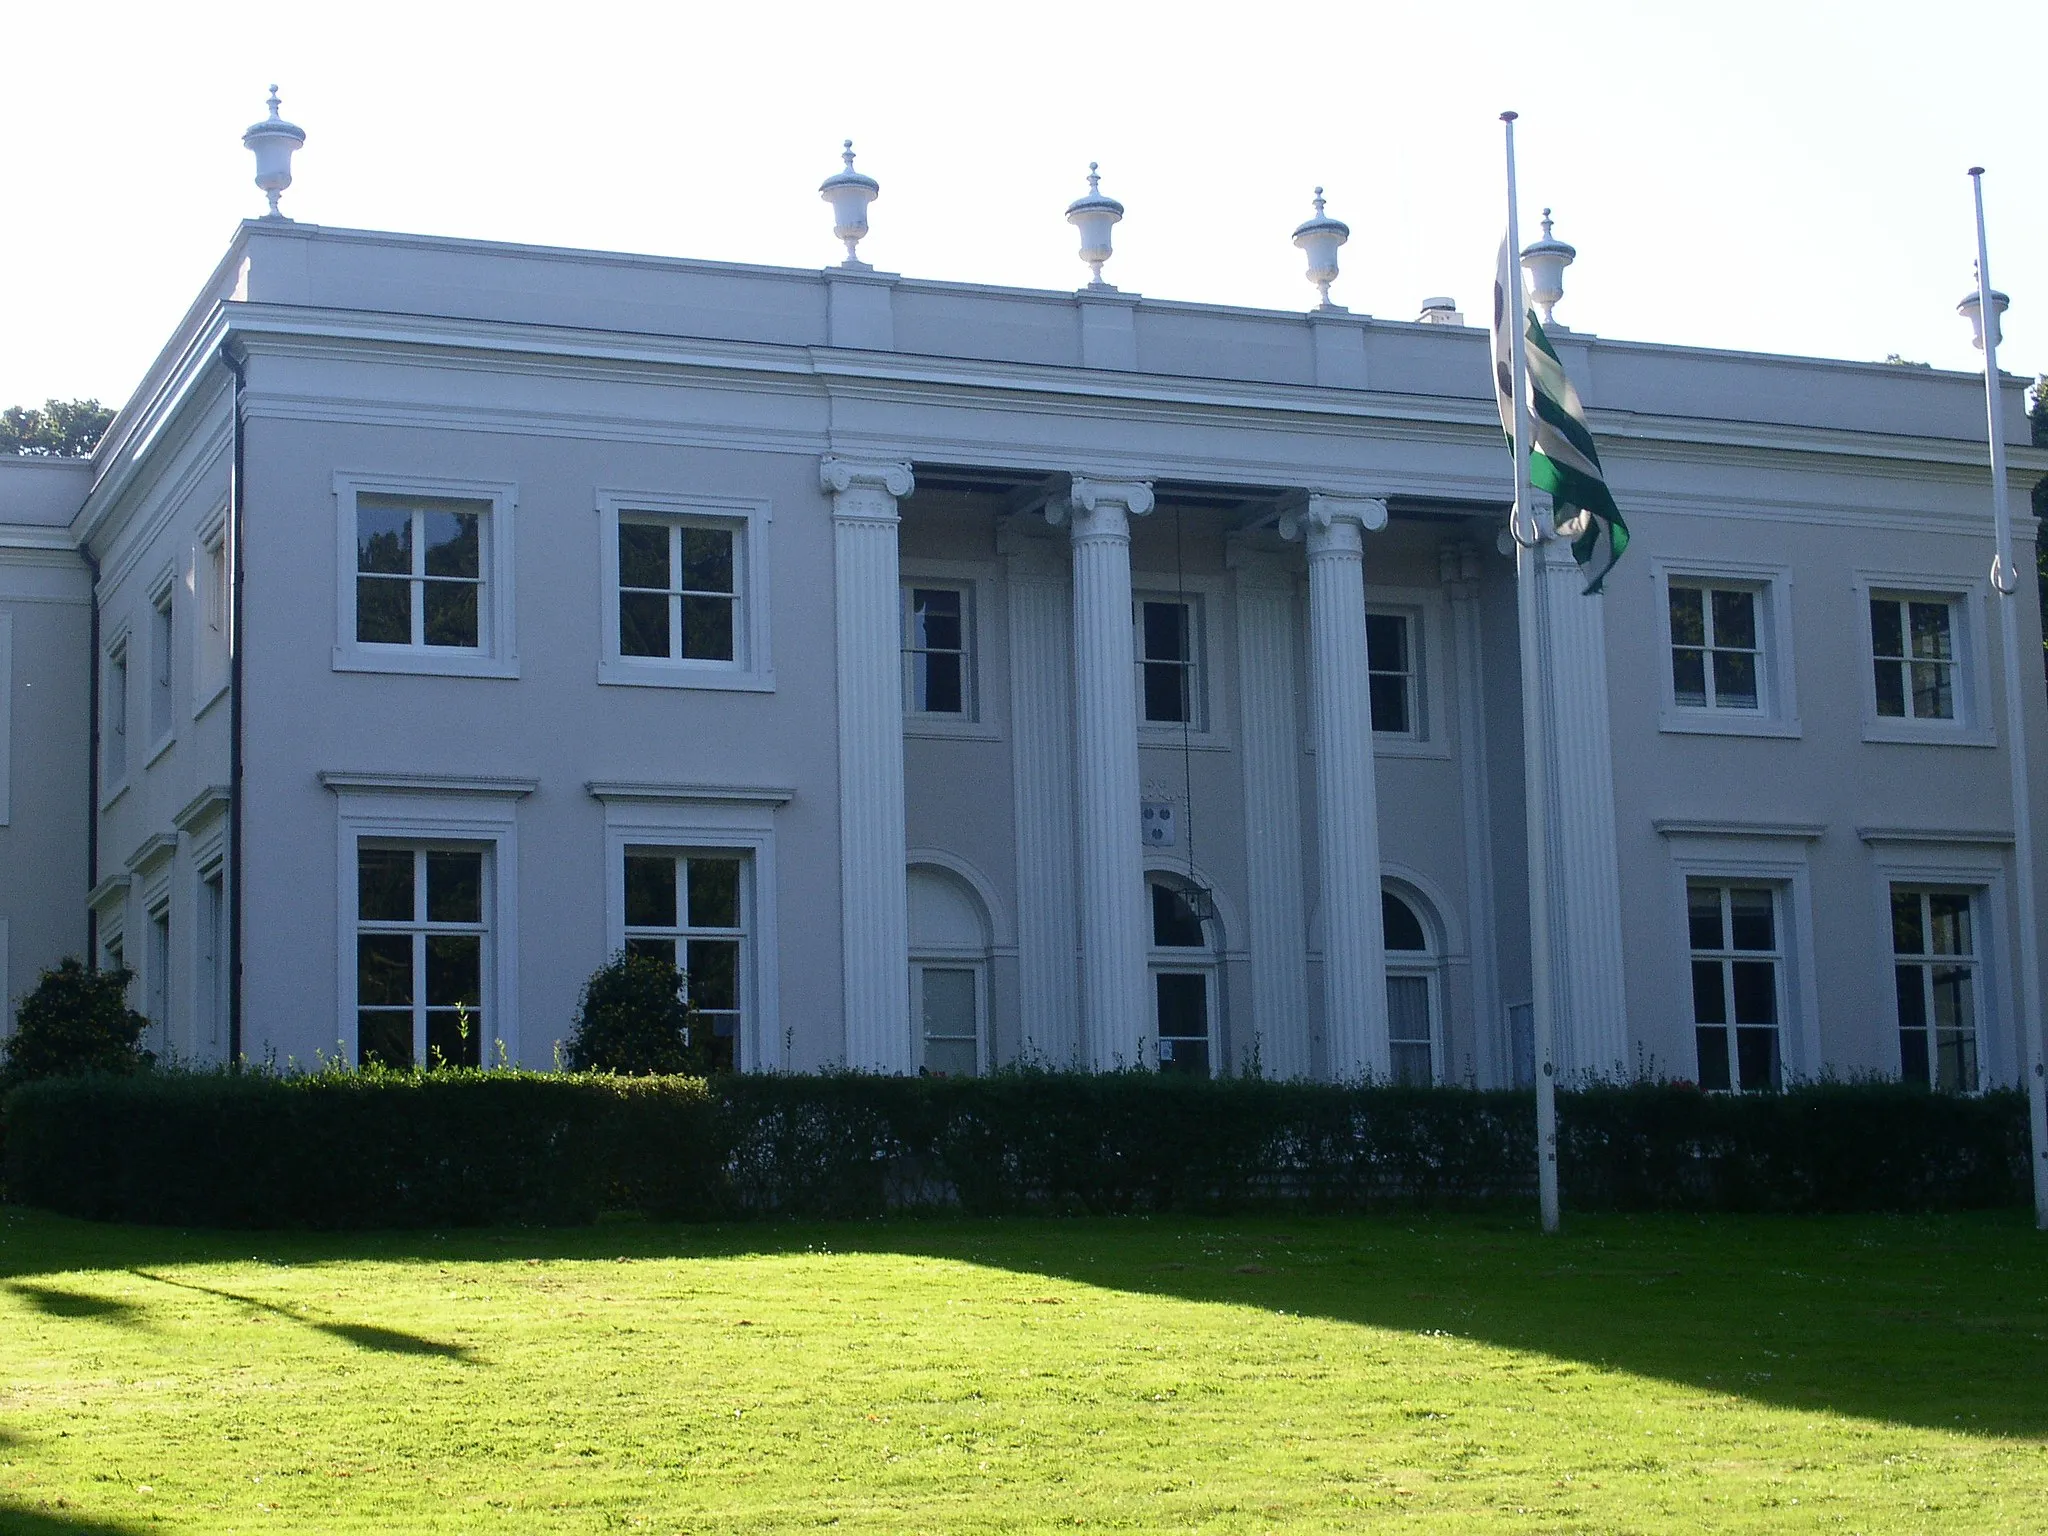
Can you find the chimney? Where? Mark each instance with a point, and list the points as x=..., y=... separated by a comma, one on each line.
x=1440, y=311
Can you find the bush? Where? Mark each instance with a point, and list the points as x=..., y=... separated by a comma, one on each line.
x=74, y=1021
x=380, y=1148
x=632, y=1019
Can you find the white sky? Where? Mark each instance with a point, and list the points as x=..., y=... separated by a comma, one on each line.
x=1782, y=176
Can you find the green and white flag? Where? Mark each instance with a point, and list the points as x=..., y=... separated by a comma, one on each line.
x=1562, y=459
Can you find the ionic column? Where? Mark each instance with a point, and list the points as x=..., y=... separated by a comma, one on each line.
x=1347, y=802
x=874, y=920
x=1116, y=1015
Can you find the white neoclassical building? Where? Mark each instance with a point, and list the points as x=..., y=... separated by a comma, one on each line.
x=953, y=676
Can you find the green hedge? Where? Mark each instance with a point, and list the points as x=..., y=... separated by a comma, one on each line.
x=458, y=1148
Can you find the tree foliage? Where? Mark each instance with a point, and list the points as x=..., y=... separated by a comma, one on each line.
x=74, y=1021
x=632, y=1019
x=66, y=429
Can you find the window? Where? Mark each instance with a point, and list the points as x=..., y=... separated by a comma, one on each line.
x=210, y=990
x=688, y=908
x=1935, y=972
x=425, y=576
x=114, y=711
x=420, y=572
x=949, y=944
x=1913, y=657
x=1716, y=647
x=211, y=601
x=1170, y=682
x=1183, y=980
x=421, y=932
x=1390, y=663
x=159, y=979
x=1737, y=984
x=938, y=657
x=160, y=664
x=1411, y=994
x=678, y=596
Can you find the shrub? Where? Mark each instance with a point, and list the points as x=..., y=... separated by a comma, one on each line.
x=632, y=1019
x=74, y=1021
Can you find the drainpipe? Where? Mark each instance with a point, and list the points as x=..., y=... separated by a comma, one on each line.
x=92, y=767
x=236, y=863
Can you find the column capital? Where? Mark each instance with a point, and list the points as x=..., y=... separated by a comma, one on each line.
x=865, y=489
x=1100, y=508
x=1335, y=524
x=1268, y=569
x=1457, y=566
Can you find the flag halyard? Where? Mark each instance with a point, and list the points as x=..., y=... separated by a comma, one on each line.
x=1563, y=460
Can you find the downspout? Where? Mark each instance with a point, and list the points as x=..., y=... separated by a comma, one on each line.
x=92, y=767
x=236, y=863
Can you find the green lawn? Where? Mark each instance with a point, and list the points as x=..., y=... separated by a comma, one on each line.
x=1433, y=1375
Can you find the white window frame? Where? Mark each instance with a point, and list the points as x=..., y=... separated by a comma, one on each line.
x=1214, y=707
x=430, y=813
x=213, y=575
x=1427, y=963
x=163, y=665
x=710, y=819
x=1977, y=962
x=983, y=720
x=115, y=710
x=1966, y=598
x=157, y=967
x=109, y=904
x=1429, y=644
x=1930, y=860
x=210, y=950
x=752, y=669
x=1181, y=961
x=497, y=653
x=1733, y=854
x=1777, y=711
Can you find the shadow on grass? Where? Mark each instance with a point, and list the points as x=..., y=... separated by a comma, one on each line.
x=1938, y=1322
x=16, y=1521
x=390, y=1341
x=48, y=1299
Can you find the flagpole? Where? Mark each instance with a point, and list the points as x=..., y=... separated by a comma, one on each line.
x=1528, y=534
x=2005, y=581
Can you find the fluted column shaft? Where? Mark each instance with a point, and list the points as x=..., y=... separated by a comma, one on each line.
x=874, y=916
x=1116, y=1018
x=1347, y=800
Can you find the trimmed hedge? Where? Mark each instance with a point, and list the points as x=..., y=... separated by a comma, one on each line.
x=378, y=1149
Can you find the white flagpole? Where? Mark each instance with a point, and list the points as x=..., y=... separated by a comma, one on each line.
x=2005, y=580
x=1528, y=535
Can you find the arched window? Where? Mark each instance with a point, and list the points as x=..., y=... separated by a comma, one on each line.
x=1413, y=1007
x=1183, y=967
x=948, y=973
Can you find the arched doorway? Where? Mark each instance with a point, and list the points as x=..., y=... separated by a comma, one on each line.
x=1182, y=963
x=1414, y=991
x=949, y=944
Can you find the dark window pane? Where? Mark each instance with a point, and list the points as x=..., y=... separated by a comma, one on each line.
x=383, y=1038
x=1750, y=920
x=707, y=560
x=1688, y=616
x=1389, y=703
x=662, y=950
x=714, y=893
x=1713, y=1048
x=384, y=539
x=1183, y=1017
x=1756, y=1052
x=1411, y=1066
x=1756, y=992
x=714, y=972
x=1386, y=642
x=1891, y=687
x=452, y=542
x=1166, y=632
x=1402, y=928
x=1709, y=1002
x=383, y=610
x=707, y=628
x=1887, y=634
x=1930, y=631
x=1951, y=986
x=1955, y=1061
x=455, y=887
x=1912, y=996
x=383, y=970
x=643, y=555
x=450, y=613
x=1735, y=679
x=1174, y=923
x=1948, y=915
x=1703, y=916
x=650, y=891
x=1907, y=936
x=455, y=970
x=1735, y=619
x=455, y=1037
x=1913, y=1057
x=1165, y=692
x=384, y=885
x=1933, y=693
x=643, y=624
x=937, y=682
x=1689, y=678
x=935, y=619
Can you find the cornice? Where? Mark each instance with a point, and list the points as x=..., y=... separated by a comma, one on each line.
x=151, y=851
x=500, y=786
x=209, y=802
x=724, y=794
x=1789, y=831
x=1973, y=836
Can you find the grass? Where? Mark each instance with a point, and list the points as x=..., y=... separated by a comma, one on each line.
x=1442, y=1375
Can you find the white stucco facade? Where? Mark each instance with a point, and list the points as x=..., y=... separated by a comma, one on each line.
x=958, y=676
